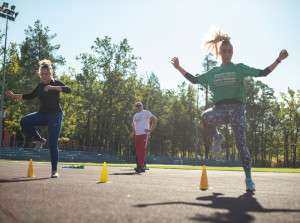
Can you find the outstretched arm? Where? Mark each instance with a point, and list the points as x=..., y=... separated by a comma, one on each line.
x=12, y=95
x=282, y=55
x=175, y=62
x=191, y=78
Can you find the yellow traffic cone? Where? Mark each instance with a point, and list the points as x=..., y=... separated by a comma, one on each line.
x=30, y=170
x=204, y=182
x=104, y=178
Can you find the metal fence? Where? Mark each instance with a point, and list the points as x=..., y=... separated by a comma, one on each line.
x=88, y=154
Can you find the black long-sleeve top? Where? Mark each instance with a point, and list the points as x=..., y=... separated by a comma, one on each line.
x=49, y=101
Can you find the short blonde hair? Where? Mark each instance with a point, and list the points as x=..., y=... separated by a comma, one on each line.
x=45, y=64
x=218, y=39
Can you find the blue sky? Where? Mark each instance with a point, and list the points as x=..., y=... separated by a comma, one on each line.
x=158, y=30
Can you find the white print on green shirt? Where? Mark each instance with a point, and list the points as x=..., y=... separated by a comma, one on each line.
x=225, y=78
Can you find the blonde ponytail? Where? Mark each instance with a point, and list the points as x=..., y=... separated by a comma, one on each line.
x=217, y=39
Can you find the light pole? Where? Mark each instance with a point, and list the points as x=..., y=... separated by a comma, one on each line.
x=8, y=14
x=197, y=138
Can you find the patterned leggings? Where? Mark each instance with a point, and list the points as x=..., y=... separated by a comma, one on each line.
x=233, y=114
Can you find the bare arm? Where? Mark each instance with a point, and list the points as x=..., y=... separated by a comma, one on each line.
x=12, y=95
x=282, y=55
x=154, y=122
x=175, y=62
x=133, y=130
x=188, y=76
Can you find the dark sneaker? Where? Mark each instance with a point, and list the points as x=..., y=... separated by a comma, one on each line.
x=250, y=186
x=39, y=145
x=138, y=169
x=216, y=145
x=143, y=170
x=54, y=174
x=146, y=168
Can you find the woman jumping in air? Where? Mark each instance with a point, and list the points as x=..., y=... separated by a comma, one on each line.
x=227, y=85
x=50, y=112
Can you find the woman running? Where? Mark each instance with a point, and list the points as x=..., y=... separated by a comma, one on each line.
x=227, y=85
x=50, y=112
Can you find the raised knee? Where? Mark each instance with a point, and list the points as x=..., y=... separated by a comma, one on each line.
x=23, y=121
x=204, y=116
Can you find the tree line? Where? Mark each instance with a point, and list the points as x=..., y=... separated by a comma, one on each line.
x=99, y=111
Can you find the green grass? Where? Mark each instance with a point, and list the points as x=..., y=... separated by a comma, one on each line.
x=274, y=170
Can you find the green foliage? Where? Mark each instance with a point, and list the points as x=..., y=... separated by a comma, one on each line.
x=21, y=72
x=13, y=78
x=34, y=48
x=289, y=127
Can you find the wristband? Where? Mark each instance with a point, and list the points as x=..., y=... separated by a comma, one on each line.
x=278, y=61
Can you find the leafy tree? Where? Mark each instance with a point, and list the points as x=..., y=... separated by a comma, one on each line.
x=207, y=64
x=187, y=99
x=107, y=89
x=290, y=125
x=158, y=103
x=37, y=46
x=70, y=107
x=13, y=78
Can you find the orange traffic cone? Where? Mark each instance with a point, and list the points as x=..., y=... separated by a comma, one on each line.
x=30, y=169
x=204, y=181
x=104, y=178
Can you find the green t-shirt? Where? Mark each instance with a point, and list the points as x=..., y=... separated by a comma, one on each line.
x=227, y=82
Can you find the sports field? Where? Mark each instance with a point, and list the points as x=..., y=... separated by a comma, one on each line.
x=159, y=195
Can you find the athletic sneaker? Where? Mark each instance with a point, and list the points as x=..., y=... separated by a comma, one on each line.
x=138, y=169
x=54, y=174
x=142, y=170
x=250, y=186
x=216, y=145
x=39, y=144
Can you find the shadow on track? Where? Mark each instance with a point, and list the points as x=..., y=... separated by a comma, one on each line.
x=22, y=179
x=131, y=173
x=238, y=208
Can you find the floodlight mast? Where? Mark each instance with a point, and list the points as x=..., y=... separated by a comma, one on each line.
x=8, y=15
